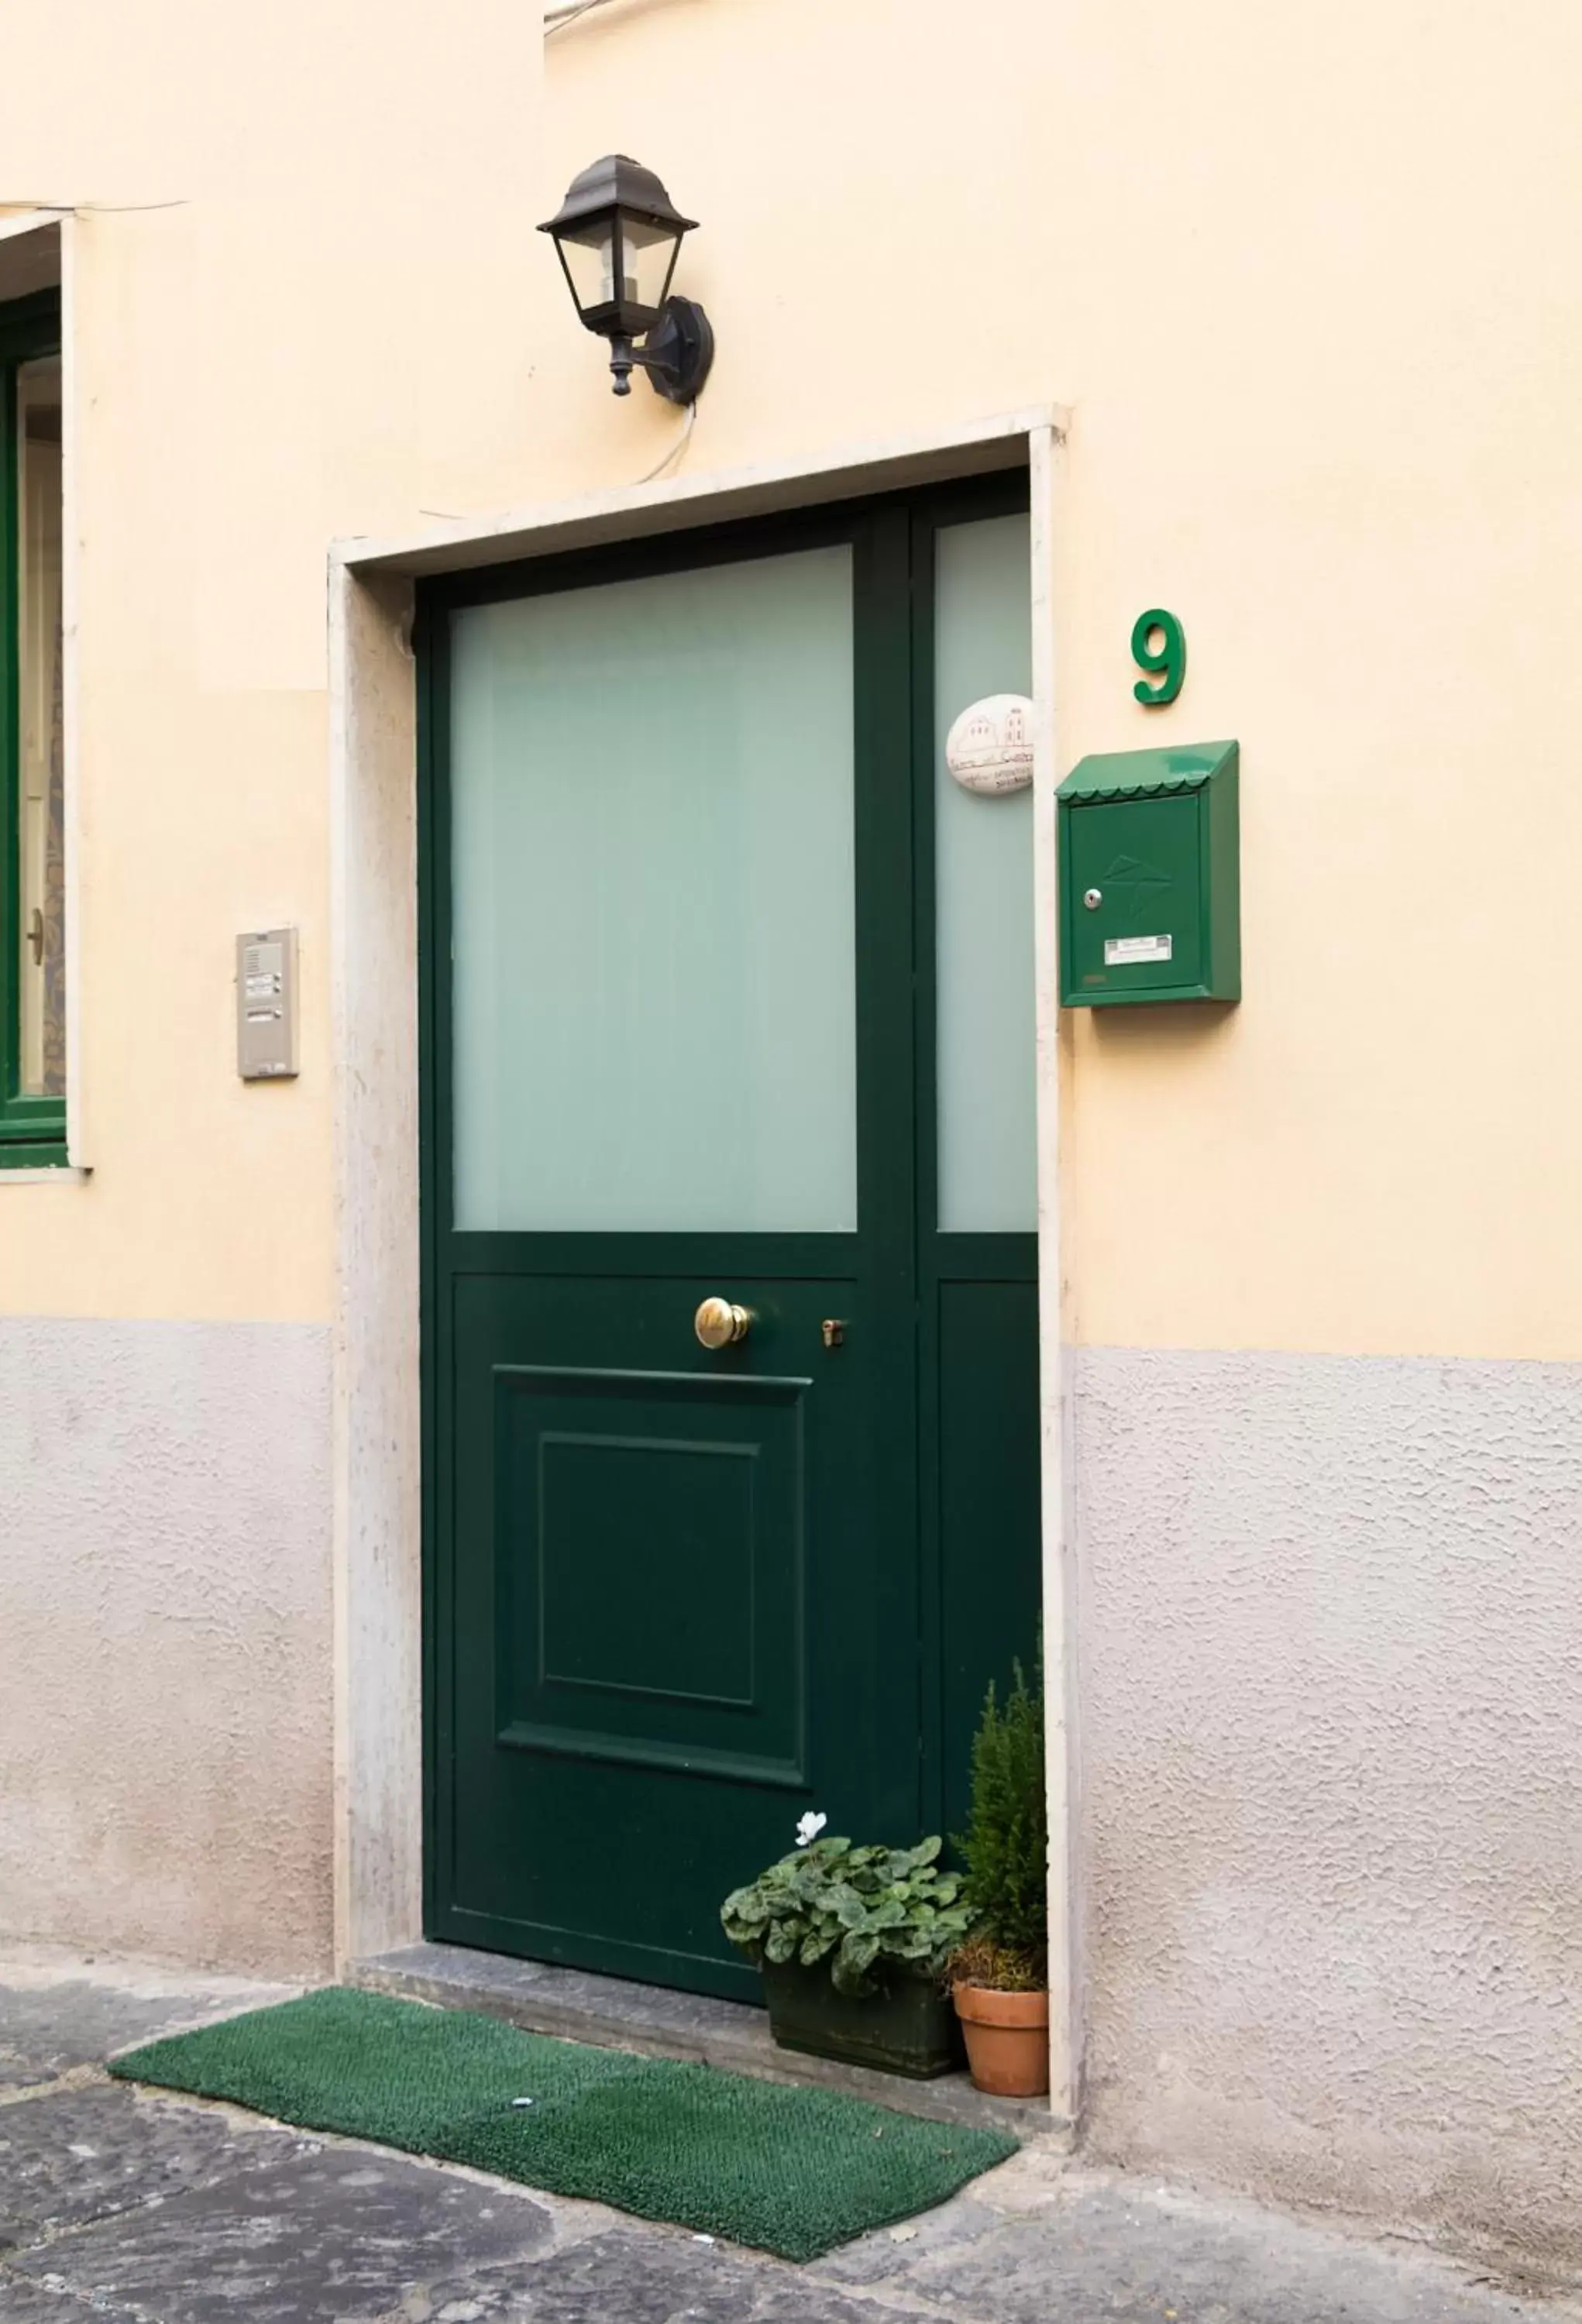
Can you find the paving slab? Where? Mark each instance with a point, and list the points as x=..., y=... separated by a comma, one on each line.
x=648, y=2275
x=80, y=2154
x=63, y=2011
x=339, y=2235
x=1100, y=2244
x=38, y=2303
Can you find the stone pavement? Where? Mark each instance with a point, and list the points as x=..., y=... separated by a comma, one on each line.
x=158, y=2210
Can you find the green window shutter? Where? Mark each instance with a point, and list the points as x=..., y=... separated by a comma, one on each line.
x=32, y=1062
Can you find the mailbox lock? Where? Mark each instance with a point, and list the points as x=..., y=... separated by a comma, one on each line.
x=1093, y=898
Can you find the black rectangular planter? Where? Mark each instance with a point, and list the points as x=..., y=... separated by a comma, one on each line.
x=907, y=2027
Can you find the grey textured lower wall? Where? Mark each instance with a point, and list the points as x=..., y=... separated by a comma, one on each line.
x=1330, y=1625
x=165, y=1640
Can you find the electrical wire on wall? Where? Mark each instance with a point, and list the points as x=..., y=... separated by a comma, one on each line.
x=677, y=448
x=99, y=209
x=557, y=19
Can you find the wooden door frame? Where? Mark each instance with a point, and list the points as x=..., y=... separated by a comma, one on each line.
x=378, y=1481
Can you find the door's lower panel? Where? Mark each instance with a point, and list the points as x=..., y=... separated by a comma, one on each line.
x=651, y=1570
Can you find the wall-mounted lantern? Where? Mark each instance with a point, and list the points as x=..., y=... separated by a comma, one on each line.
x=618, y=234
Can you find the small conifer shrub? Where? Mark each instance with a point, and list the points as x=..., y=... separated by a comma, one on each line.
x=1006, y=1847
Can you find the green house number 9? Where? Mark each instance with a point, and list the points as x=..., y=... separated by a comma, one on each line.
x=1158, y=646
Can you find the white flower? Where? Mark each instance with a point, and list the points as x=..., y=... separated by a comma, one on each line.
x=810, y=1828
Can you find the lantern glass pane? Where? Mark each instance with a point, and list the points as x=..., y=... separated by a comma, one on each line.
x=648, y=252
x=588, y=254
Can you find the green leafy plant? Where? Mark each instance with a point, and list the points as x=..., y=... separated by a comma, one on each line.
x=868, y=1912
x=1006, y=1847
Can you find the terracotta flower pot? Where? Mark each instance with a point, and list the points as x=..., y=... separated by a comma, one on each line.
x=1007, y=2040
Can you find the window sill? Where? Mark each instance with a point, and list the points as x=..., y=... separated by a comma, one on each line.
x=26, y=1171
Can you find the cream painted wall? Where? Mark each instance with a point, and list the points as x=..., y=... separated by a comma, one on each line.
x=1293, y=275
x=1297, y=274
x=301, y=236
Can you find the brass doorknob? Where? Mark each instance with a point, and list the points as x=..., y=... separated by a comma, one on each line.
x=717, y=1323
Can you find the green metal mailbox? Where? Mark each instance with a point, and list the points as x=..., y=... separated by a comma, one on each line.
x=1150, y=877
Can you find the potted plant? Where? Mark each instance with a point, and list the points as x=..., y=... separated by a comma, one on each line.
x=854, y=1943
x=1000, y=1973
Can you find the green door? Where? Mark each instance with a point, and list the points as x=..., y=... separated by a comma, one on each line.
x=727, y=995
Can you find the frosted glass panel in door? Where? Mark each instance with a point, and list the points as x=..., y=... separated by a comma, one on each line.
x=654, y=901
x=983, y=644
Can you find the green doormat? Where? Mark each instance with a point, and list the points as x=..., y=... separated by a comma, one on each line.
x=793, y=2171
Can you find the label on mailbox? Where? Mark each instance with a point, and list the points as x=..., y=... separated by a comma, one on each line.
x=1120, y=951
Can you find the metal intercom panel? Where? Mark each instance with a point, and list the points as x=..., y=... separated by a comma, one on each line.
x=266, y=1005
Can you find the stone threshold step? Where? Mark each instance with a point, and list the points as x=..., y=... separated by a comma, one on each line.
x=613, y=2013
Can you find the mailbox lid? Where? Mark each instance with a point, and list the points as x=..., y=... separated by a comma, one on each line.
x=1143, y=859
x=1146, y=774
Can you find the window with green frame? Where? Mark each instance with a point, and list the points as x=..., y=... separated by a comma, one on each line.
x=33, y=820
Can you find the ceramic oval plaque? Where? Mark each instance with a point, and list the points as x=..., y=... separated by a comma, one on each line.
x=989, y=747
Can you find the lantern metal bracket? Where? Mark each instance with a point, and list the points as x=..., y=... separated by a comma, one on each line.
x=676, y=354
